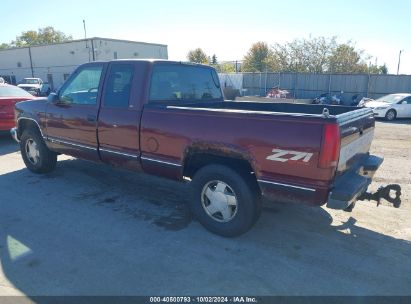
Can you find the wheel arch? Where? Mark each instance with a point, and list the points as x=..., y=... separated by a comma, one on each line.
x=197, y=157
x=27, y=122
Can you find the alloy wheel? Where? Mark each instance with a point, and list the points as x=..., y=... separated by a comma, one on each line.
x=219, y=201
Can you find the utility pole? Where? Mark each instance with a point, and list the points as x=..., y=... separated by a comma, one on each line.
x=31, y=63
x=85, y=38
x=85, y=31
x=265, y=86
x=399, y=61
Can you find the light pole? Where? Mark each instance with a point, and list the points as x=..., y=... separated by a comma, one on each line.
x=399, y=61
x=85, y=38
x=85, y=31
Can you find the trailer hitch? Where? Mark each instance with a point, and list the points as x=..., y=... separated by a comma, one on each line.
x=385, y=193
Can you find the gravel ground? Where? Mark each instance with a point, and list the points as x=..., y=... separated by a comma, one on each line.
x=87, y=229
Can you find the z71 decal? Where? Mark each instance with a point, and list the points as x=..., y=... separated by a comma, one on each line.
x=285, y=155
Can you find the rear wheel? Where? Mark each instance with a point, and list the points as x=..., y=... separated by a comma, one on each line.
x=223, y=201
x=390, y=115
x=37, y=157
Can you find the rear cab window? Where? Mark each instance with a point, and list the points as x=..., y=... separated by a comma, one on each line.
x=118, y=87
x=184, y=83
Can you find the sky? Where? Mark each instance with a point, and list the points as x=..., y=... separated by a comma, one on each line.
x=226, y=28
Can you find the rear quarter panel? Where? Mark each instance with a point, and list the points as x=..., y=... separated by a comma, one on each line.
x=168, y=134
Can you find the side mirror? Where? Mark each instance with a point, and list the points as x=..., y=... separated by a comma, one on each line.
x=53, y=98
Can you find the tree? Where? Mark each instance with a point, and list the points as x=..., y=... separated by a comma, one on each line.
x=320, y=55
x=305, y=55
x=214, y=59
x=259, y=58
x=383, y=69
x=346, y=59
x=4, y=46
x=375, y=69
x=226, y=67
x=44, y=35
x=197, y=56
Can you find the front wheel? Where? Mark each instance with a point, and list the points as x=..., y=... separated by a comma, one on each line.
x=223, y=201
x=37, y=157
x=390, y=115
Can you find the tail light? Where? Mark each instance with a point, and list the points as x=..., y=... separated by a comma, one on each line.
x=330, y=146
x=6, y=111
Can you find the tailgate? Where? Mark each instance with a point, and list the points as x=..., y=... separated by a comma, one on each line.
x=357, y=133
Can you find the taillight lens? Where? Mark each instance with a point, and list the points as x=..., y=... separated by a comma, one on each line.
x=330, y=146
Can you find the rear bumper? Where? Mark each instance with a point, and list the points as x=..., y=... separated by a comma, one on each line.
x=352, y=184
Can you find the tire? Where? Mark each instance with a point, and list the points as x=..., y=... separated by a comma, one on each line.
x=224, y=185
x=391, y=115
x=37, y=157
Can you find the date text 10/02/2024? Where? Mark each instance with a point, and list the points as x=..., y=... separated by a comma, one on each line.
x=203, y=300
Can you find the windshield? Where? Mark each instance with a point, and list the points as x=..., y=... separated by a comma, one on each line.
x=29, y=81
x=11, y=91
x=392, y=98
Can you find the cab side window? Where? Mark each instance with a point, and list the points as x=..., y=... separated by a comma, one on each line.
x=407, y=100
x=118, y=87
x=83, y=88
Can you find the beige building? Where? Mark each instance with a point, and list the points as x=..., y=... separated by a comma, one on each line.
x=55, y=62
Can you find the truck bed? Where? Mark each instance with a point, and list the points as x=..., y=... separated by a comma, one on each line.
x=255, y=131
x=339, y=113
x=353, y=121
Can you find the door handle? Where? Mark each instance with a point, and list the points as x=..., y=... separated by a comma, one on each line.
x=91, y=118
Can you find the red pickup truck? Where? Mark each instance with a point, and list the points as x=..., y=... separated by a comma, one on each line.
x=170, y=119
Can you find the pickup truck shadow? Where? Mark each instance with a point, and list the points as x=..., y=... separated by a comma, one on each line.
x=160, y=201
x=88, y=229
x=7, y=144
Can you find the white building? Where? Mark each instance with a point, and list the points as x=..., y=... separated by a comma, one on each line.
x=55, y=62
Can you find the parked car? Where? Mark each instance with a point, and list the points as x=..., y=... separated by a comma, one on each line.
x=32, y=85
x=391, y=106
x=9, y=79
x=9, y=95
x=45, y=89
x=170, y=119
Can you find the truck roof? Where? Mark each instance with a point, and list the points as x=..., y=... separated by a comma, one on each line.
x=157, y=61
